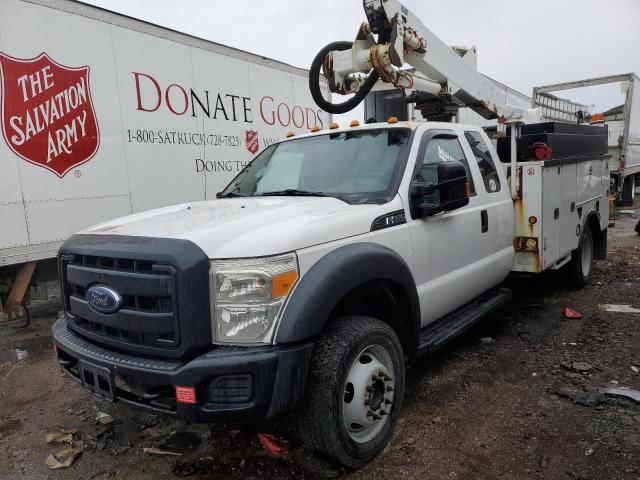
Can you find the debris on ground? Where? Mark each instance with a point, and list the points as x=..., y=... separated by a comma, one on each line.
x=64, y=458
x=104, y=418
x=624, y=392
x=10, y=359
x=606, y=307
x=627, y=212
x=588, y=399
x=65, y=437
x=571, y=313
x=157, y=451
x=635, y=369
x=276, y=446
x=581, y=366
x=486, y=340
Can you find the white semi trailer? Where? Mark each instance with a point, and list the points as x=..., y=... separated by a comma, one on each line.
x=104, y=115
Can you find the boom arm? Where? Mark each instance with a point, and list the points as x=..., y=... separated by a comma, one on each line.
x=403, y=39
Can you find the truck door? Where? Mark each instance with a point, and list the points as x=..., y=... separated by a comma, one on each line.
x=450, y=261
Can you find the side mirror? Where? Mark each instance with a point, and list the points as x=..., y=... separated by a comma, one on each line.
x=452, y=185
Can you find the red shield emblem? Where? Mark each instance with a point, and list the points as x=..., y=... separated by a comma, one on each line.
x=48, y=117
x=251, y=139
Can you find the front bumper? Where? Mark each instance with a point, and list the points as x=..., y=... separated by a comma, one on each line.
x=232, y=384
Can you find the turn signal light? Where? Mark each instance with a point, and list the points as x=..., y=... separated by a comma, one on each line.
x=282, y=283
x=354, y=123
x=290, y=134
x=392, y=120
x=186, y=394
x=334, y=125
x=315, y=129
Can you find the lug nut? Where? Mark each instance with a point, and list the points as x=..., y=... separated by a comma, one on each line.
x=387, y=378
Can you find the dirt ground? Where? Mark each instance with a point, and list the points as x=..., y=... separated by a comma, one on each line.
x=522, y=404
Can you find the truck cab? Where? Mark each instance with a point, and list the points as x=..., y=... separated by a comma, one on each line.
x=327, y=263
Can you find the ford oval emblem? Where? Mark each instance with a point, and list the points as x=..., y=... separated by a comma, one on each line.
x=103, y=299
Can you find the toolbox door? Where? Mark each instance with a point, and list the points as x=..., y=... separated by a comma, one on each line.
x=551, y=201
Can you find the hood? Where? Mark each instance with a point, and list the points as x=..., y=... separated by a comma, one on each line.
x=249, y=227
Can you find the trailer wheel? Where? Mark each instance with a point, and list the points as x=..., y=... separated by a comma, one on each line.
x=354, y=391
x=628, y=193
x=579, y=268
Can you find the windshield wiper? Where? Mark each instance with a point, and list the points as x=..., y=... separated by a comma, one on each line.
x=292, y=192
x=228, y=195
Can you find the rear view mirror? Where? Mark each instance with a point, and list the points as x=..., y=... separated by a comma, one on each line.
x=452, y=186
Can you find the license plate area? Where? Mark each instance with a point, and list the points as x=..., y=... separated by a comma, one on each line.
x=98, y=380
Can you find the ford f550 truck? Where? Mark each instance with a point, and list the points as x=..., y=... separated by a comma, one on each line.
x=330, y=261
x=336, y=256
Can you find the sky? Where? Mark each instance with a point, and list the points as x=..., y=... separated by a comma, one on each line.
x=520, y=43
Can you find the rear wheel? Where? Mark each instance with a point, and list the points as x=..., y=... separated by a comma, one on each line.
x=581, y=263
x=354, y=391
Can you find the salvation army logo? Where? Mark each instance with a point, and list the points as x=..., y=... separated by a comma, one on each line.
x=48, y=117
x=251, y=140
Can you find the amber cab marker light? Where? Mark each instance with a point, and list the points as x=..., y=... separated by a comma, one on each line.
x=315, y=129
x=533, y=220
x=354, y=123
x=334, y=125
x=186, y=394
x=290, y=134
x=392, y=120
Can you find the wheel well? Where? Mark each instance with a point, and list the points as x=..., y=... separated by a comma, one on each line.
x=386, y=301
x=599, y=237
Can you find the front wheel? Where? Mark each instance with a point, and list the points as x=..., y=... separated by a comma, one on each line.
x=579, y=268
x=354, y=391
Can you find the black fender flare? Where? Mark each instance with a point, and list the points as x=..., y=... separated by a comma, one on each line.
x=332, y=277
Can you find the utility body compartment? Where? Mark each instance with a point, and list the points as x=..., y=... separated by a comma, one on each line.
x=556, y=196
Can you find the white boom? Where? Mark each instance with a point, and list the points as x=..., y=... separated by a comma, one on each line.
x=404, y=40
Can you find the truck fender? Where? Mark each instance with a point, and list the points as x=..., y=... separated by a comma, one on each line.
x=335, y=275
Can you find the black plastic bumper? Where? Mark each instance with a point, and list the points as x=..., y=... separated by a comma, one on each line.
x=232, y=384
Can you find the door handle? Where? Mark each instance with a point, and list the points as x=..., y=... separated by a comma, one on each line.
x=484, y=217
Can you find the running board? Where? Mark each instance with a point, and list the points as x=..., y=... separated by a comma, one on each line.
x=437, y=334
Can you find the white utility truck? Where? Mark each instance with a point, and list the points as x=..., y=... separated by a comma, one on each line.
x=104, y=115
x=334, y=257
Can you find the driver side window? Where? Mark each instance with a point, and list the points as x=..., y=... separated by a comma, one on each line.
x=439, y=150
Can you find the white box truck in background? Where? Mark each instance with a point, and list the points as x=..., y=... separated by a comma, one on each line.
x=104, y=115
x=623, y=122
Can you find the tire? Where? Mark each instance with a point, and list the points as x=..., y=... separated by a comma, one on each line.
x=628, y=190
x=356, y=360
x=581, y=264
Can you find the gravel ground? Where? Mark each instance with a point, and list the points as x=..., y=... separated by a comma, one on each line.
x=523, y=402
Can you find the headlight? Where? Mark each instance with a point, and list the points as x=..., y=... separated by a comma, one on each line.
x=248, y=295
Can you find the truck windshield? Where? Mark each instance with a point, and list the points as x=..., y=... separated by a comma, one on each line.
x=356, y=167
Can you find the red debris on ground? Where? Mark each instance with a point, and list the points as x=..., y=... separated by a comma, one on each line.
x=274, y=445
x=571, y=313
